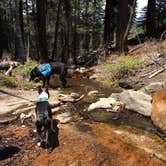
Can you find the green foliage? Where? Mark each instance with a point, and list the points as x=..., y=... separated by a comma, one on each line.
x=7, y=81
x=122, y=67
x=24, y=70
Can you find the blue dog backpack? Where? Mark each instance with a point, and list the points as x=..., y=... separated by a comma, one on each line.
x=45, y=69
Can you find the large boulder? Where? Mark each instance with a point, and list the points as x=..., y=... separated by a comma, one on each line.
x=136, y=101
x=152, y=88
x=159, y=109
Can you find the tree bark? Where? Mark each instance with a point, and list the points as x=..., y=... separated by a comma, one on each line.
x=41, y=7
x=68, y=27
x=125, y=15
x=150, y=22
x=19, y=47
x=75, y=33
x=54, y=52
x=28, y=31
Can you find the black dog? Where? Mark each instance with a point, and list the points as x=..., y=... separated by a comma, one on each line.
x=44, y=72
x=43, y=122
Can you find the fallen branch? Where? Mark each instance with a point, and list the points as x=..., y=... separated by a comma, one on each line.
x=151, y=72
x=24, y=110
x=70, y=99
x=136, y=48
x=157, y=72
x=9, y=70
x=8, y=120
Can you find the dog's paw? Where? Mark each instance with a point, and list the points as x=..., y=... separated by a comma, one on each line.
x=49, y=150
x=39, y=144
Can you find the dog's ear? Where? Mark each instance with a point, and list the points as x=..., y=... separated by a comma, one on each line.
x=40, y=89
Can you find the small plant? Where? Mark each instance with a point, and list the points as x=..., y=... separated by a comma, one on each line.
x=122, y=67
x=24, y=70
x=7, y=81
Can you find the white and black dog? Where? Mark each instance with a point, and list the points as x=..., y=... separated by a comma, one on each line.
x=44, y=71
x=44, y=123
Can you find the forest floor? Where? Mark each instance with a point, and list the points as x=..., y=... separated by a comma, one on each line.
x=82, y=142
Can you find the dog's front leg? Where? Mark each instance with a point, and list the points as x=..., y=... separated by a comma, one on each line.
x=48, y=81
x=44, y=82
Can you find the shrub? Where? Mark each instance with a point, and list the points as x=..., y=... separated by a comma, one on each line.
x=121, y=67
x=7, y=81
x=124, y=66
x=24, y=70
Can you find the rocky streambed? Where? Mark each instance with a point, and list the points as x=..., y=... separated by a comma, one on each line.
x=128, y=139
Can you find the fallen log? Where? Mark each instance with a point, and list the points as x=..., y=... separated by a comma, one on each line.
x=31, y=107
x=5, y=65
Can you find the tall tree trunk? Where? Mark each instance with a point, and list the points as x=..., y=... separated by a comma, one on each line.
x=110, y=20
x=87, y=35
x=34, y=16
x=125, y=15
x=94, y=38
x=19, y=47
x=54, y=52
x=41, y=7
x=68, y=27
x=150, y=22
x=75, y=33
x=107, y=22
x=28, y=31
x=22, y=21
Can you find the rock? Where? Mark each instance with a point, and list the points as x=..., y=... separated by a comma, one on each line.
x=68, y=107
x=93, y=77
x=116, y=96
x=64, y=117
x=102, y=103
x=73, y=97
x=159, y=109
x=125, y=85
x=136, y=101
x=152, y=88
x=95, y=92
x=104, y=109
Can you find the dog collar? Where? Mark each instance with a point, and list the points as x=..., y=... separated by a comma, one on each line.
x=43, y=97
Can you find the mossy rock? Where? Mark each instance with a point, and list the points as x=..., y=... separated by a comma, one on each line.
x=101, y=115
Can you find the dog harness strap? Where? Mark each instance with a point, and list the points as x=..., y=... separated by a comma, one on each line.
x=45, y=69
